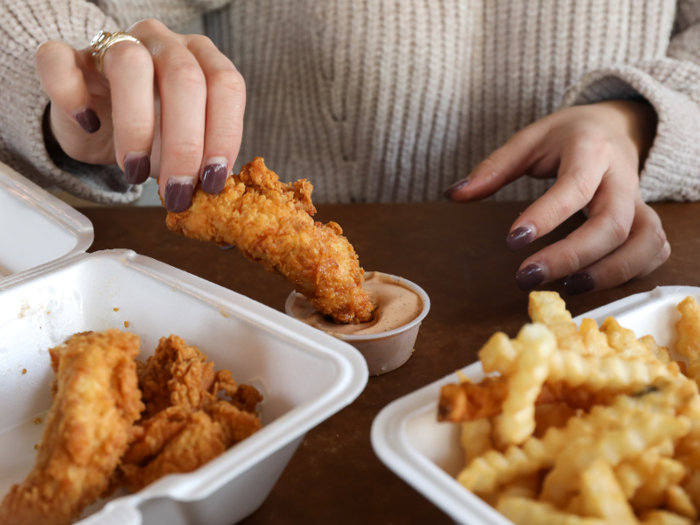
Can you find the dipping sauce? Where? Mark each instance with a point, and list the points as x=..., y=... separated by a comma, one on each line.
x=396, y=307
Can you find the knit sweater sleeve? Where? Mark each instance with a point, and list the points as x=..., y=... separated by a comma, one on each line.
x=24, y=24
x=672, y=86
x=173, y=13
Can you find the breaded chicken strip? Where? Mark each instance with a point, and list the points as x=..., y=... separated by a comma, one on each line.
x=185, y=423
x=89, y=426
x=271, y=223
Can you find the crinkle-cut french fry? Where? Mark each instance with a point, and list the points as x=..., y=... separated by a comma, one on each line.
x=612, y=372
x=517, y=422
x=486, y=473
x=678, y=501
x=602, y=496
x=662, y=517
x=594, y=340
x=652, y=493
x=549, y=309
x=624, y=342
x=660, y=352
x=688, y=343
x=522, y=511
x=691, y=485
x=498, y=354
x=614, y=444
x=633, y=473
x=525, y=487
x=476, y=438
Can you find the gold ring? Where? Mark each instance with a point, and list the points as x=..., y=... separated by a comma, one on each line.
x=102, y=42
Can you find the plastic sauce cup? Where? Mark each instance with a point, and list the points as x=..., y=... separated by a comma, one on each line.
x=384, y=351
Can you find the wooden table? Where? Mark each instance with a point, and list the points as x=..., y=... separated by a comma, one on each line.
x=458, y=254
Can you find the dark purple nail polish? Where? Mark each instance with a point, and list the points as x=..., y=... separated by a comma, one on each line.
x=137, y=168
x=529, y=277
x=579, y=283
x=178, y=194
x=88, y=120
x=520, y=237
x=214, y=178
x=456, y=186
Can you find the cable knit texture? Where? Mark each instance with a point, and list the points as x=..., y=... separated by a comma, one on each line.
x=380, y=101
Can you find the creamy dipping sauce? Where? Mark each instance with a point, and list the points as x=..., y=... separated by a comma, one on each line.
x=396, y=307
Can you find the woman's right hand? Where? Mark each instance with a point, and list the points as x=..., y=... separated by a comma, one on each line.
x=170, y=107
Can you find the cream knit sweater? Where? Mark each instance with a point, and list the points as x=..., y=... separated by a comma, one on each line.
x=388, y=100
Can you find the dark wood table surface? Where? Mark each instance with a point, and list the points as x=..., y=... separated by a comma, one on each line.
x=458, y=254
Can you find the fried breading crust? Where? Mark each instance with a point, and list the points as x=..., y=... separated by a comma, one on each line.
x=271, y=223
x=185, y=423
x=89, y=426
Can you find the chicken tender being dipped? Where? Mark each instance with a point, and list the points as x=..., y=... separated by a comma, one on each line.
x=89, y=427
x=271, y=223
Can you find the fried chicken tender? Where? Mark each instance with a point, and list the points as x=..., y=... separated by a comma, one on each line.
x=271, y=223
x=186, y=423
x=89, y=427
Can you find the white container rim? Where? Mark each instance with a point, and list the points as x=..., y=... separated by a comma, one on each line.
x=41, y=201
x=374, y=337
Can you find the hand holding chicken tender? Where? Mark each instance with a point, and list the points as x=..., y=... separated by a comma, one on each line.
x=271, y=223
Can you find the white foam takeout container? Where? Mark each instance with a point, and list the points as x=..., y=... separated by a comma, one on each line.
x=304, y=375
x=383, y=351
x=35, y=227
x=427, y=455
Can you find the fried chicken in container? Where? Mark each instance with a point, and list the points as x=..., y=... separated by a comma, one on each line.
x=89, y=427
x=186, y=423
x=271, y=223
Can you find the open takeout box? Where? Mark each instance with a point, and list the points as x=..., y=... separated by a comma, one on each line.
x=304, y=375
x=427, y=455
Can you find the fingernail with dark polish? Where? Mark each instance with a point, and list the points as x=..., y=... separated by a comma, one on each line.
x=88, y=120
x=520, y=237
x=137, y=167
x=178, y=194
x=579, y=283
x=530, y=276
x=214, y=176
x=456, y=186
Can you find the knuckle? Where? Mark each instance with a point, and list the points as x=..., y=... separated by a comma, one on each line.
x=229, y=78
x=139, y=128
x=619, y=229
x=570, y=260
x=624, y=271
x=149, y=25
x=129, y=54
x=584, y=186
x=186, y=71
x=201, y=40
x=187, y=151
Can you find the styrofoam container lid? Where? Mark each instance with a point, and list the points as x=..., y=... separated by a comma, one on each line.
x=304, y=375
x=37, y=228
x=427, y=455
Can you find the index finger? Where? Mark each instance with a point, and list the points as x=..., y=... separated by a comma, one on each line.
x=506, y=164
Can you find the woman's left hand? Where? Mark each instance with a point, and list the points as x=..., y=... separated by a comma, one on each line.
x=595, y=151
